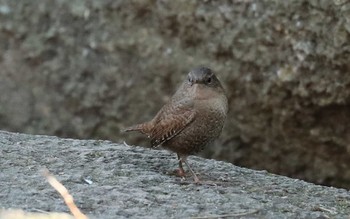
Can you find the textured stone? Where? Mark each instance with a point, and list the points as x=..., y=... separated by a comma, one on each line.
x=110, y=180
x=84, y=69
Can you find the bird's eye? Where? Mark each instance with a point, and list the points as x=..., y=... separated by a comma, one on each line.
x=190, y=79
x=209, y=80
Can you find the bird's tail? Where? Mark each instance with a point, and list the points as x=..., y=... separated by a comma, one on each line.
x=138, y=127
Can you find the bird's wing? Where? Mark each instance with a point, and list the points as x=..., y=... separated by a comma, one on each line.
x=171, y=122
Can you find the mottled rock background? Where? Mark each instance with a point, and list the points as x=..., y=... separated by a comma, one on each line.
x=85, y=69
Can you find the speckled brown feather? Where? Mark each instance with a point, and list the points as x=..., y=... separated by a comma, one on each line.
x=170, y=123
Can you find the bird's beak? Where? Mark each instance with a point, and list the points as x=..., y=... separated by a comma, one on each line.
x=192, y=82
x=194, y=87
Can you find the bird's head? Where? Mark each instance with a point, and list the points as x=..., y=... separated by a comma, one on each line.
x=203, y=76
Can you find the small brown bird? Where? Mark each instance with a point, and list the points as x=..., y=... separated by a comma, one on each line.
x=193, y=118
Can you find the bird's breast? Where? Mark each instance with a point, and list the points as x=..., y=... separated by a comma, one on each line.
x=210, y=100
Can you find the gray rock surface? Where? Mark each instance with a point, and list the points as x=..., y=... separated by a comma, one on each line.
x=134, y=182
x=85, y=69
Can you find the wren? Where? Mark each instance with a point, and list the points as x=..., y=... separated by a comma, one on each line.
x=191, y=120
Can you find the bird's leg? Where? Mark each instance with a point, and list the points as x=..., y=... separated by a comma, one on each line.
x=184, y=159
x=180, y=171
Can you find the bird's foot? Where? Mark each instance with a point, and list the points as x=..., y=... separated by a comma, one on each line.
x=180, y=172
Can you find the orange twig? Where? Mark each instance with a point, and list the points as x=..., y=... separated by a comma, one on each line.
x=68, y=199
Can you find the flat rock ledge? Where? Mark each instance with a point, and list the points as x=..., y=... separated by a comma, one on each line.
x=111, y=180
